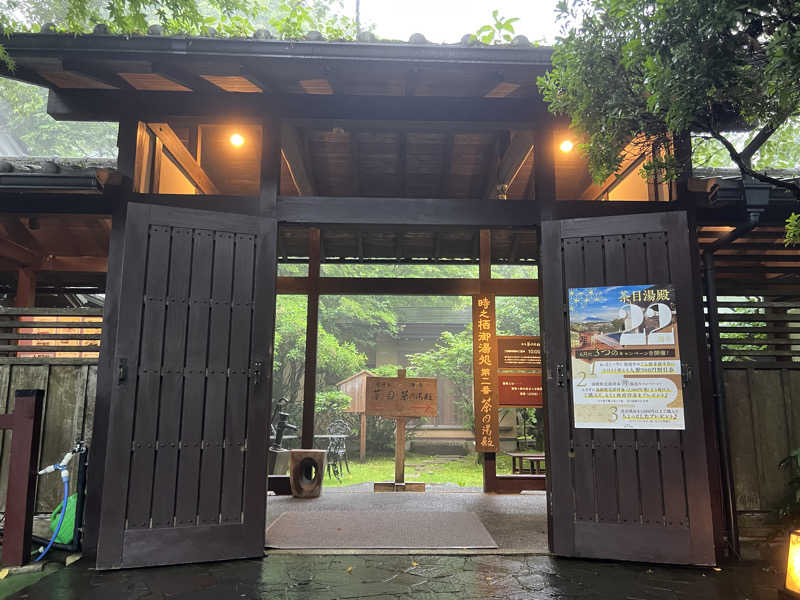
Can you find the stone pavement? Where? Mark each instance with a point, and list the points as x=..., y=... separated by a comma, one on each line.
x=377, y=577
x=517, y=522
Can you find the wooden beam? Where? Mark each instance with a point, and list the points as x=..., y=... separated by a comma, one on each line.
x=408, y=125
x=411, y=286
x=447, y=159
x=485, y=265
x=514, y=157
x=20, y=234
x=98, y=73
x=77, y=264
x=19, y=254
x=26, y=288
x=112, y=105
x=294, y=153
x=402, y=161
x=544, y=170
x=312, y=328
x=355, y=160
x=186, y=161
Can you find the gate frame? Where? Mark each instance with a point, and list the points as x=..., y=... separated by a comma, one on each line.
x=321, y=211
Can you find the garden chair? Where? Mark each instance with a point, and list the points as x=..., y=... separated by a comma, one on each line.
x=337, y=449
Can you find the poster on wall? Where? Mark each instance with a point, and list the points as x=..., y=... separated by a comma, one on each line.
x=626, y=367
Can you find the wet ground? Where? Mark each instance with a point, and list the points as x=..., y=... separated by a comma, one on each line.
x=517, y=522
x=293, y=577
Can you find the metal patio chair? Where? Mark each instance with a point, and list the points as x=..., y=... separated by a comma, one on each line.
x=337, y=449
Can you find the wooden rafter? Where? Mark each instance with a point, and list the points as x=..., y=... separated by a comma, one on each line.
x=510, y=164
x=19, y=233
x=293, y=151
x=19, y=254
x=186, y=161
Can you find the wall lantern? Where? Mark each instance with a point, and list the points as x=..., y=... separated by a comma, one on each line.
x=237, y=140
x=566, y=146
x=792, y=584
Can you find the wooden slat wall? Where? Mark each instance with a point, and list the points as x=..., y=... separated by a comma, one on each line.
x=764, y=422
x=68, y=415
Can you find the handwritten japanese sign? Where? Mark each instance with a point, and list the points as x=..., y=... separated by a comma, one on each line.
x=484, y=356
x=626, y=368
x=401, y=397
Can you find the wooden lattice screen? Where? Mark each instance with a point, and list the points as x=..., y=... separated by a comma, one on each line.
x=759, y=331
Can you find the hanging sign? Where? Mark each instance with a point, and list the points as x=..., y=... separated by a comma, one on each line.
x=520, y=389
x=626, y=368
x=484, y=369
x=519, y=352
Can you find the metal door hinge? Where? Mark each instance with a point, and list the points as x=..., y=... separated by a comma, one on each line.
x=561, y=374
x=122, y=370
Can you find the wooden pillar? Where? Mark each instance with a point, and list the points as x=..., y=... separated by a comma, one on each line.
x=126, y=164
x=485, y=278
x=26, y=426
x=312, y=327
x=363, y=437
x=544, y=168
x=26, y=288
x=400, y=450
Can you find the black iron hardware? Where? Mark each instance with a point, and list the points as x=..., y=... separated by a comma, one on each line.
x=561, y=374
x=255, y=372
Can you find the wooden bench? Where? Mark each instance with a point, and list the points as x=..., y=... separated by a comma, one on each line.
x=537, y=462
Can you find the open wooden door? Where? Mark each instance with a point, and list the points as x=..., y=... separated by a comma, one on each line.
x=185, y=472
x=638, y=493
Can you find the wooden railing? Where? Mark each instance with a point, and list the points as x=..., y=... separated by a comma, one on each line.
x=50, y=332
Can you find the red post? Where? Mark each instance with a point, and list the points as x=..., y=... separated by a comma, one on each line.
x=25, y=422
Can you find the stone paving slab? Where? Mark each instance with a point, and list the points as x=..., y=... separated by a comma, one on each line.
x=292, y=577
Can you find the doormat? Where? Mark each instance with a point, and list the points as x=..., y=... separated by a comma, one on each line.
x=374, y=530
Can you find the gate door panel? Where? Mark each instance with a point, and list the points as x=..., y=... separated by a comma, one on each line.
x=185, y=476
x=624, y=494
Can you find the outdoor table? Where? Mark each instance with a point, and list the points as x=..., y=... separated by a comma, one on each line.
x=537, y=461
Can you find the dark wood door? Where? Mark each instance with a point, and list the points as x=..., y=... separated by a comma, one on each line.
x=185, y=472
x=629, y=494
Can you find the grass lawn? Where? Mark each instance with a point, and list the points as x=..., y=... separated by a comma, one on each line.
x=460, y=470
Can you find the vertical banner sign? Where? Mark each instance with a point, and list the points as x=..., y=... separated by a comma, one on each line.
x=484, y=369
x=626, y=367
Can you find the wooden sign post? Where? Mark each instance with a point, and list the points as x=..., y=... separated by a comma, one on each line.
x=400, y=397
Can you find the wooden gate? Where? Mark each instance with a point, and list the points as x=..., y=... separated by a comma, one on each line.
x=624, y=494
x=185, y=473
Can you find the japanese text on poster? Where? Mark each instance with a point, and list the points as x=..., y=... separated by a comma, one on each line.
x=626, y=369
x=484, y=346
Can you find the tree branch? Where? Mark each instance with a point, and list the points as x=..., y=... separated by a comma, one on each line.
x=746, y=169
x=758, y=141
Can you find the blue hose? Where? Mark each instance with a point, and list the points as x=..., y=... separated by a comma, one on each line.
x=60, y=518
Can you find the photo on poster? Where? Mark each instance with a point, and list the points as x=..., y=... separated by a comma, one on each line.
x=625, y=359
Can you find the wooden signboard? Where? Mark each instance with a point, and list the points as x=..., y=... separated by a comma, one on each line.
x=401, y=397
x=519, y=352
x=484, y=369
x=520, y=389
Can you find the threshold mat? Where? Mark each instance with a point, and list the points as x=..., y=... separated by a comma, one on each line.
x=373, y=530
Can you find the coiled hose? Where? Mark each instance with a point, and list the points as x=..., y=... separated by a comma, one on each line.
x=65, y=480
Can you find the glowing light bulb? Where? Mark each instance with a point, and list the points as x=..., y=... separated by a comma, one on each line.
x=566, y=146
x=237, y=140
